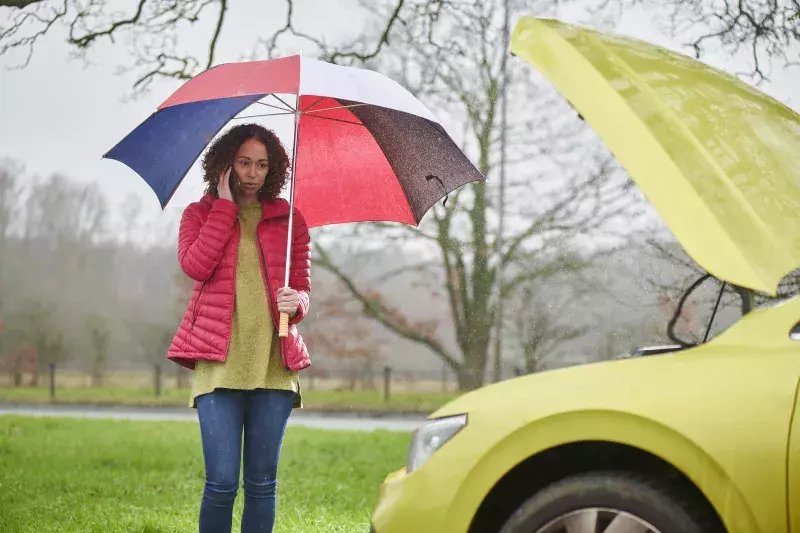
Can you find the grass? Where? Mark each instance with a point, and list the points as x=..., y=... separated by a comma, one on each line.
x=361, y=401
x=71, y=475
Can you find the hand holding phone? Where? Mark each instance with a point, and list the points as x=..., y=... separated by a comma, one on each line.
x=224, y=190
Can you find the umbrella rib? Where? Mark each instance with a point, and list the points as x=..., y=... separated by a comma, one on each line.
x=265, y=104
x=264, y=115
x=332, y=108
x=321, y=98
x=336, y=120
x=278, y=98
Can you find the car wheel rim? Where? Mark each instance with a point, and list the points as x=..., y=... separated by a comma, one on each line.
x=598, y=520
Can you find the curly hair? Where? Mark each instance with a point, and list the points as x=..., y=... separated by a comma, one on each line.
x=221, y=152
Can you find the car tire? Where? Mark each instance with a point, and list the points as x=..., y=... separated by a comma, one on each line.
x=602, y=497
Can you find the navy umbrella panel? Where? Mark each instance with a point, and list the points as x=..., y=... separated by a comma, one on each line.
x=165, y=146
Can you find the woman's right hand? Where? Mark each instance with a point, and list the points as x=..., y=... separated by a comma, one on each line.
x=224, y=186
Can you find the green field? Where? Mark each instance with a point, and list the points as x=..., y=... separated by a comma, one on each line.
x=364, y=401
x=67, y=475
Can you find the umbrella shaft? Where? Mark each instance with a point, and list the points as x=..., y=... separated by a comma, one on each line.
x=291, y=190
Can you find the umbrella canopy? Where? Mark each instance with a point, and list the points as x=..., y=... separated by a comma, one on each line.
x=366, y=149
x=718, y=159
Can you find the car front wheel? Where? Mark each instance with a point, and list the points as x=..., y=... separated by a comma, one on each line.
x=602, y=503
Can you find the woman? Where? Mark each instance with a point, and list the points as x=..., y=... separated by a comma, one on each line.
x=233, y=244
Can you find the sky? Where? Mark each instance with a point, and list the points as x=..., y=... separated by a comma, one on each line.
x=60, y=115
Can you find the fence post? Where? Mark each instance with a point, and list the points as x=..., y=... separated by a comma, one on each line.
x=158, y=380
x=387, y=382
x=311, y=381
x=52, y=381
x=444, y=378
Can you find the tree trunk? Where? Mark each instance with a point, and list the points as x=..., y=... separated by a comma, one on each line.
x=472, y=372
x=531, y=360
x=98, y=371
x=157, y=379
x=37, y=368
x=469, y=378
x=352, y=375
x=368, y=373
x=181, y=377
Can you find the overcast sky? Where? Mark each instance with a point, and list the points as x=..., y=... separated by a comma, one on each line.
x=59, y=115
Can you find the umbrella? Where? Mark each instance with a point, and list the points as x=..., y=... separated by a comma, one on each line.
x=364, y=148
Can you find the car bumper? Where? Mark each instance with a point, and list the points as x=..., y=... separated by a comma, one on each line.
x=417, y=502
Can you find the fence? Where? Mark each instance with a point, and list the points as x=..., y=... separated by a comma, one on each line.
x=385, y=378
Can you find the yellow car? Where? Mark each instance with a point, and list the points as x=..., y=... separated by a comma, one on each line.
x=705, y=439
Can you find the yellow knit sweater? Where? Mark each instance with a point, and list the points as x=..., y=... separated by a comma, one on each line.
x=254, y=358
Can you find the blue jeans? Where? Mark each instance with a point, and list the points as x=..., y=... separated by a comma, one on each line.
x=224, y=415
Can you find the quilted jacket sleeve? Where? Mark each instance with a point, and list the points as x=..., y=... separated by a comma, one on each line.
x=300, y=273
x=201, y=245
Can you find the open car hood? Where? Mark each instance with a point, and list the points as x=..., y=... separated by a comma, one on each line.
x=718, y=159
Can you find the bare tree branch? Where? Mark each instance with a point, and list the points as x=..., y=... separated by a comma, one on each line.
x=88, y=38
x=405, y=269
x=334, y=55
x=223, y=6
x=150, y=31
x=389, y=318
x=9, y=41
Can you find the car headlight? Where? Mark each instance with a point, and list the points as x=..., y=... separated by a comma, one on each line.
x=432, y=436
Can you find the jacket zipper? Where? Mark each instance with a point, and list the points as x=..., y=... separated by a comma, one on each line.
x=237, y=237
x=268, y=287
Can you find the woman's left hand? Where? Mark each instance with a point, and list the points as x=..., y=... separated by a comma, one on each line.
x=288, y=301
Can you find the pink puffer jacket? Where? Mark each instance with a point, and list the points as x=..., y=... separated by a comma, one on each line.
x=208, y=245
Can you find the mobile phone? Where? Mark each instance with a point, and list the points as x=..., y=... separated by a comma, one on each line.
x=233, y=183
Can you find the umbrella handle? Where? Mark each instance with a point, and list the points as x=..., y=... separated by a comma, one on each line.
x=283, y=327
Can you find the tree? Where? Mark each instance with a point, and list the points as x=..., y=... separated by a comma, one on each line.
x=9, y=196
x=66, y=219
x=182, y=286
x=542, y=325
x=478, y=263
x=99, y=337
x=336, y=329
x=36, y=325
x=150, y=340
x=131, y=215
x=65, y=287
